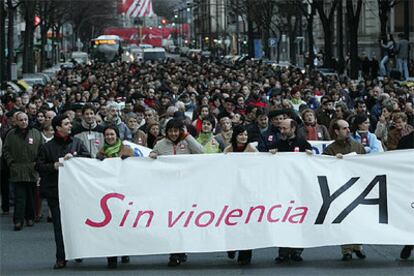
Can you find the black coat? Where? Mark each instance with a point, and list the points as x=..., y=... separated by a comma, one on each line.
x=289, y=145
x=406, y=142
x=50, y=153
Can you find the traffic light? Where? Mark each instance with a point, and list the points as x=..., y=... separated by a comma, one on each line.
x=164, y=21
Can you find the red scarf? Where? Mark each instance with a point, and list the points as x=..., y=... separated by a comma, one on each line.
x=59, y=136
x=312, y=134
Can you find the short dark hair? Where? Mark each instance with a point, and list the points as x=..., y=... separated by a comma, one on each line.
x=57, y=121
x=87, y=107
x=113, y=127
x=174, y=123
x=236, y=131
x=211, y=119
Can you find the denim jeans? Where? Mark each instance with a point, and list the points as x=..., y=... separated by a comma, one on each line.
x=383, y=64
x=402, y=65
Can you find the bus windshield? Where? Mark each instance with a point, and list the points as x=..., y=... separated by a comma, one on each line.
x=106, y=50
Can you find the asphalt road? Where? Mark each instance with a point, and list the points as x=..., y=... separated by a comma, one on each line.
x=31, y=252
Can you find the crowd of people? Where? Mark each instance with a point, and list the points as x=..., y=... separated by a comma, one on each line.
x=188, y=107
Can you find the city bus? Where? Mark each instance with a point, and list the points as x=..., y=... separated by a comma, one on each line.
x=106, y=48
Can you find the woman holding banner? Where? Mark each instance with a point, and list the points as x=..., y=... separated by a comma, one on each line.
x=177, y=141
x=113, y=148
x=239, y=143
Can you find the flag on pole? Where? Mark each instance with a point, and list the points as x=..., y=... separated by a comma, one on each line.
x=137, y=8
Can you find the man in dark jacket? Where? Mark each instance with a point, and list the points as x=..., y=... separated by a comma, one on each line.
x=48, y=166
x=258, y=129
x=20, y=151
x=406, y=142
x=290, y=142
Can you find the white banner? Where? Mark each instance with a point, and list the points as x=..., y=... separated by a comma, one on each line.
x=215, y=202
x=139, y=151
x=319, y=146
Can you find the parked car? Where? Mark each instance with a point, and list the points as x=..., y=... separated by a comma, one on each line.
x=36, y=78
x=156, y=53
x=52, y=71
x=80, y=57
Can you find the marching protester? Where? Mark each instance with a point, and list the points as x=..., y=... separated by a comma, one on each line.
x=406, y=142
x=290, y=142
x=239, y=143
x=113, y=148
x=225, y=134
x=177, y=141
x=20, y=151
x=206, y=137
x=399, y=129
x=342, y=145
x=150, y=103
x=361, y=134
x=89, y=132
x=48, y=164
x=311, y=130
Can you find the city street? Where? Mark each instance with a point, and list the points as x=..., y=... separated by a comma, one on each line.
x=31, y=252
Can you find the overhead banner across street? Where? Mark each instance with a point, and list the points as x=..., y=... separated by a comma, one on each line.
x=204, y=203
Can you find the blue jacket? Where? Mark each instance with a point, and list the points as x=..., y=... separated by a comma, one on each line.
x=373, y=145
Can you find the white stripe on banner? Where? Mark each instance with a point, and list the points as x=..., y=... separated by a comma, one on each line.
x=144, y=8
x=139, y=8
x=217, y=202
x=132, y=8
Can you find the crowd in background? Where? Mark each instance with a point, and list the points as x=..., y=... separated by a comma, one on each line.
x=181, y=107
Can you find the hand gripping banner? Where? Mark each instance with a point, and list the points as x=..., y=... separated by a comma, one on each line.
x=217, y=202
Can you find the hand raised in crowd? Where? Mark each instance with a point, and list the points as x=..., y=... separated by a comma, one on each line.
x=183, y=133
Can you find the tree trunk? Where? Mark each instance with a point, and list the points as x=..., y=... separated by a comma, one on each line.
x=10, y=37
x=28, y=51
x=353, y=19
x=340, y=38
x=311, y=40
x=3, y=75
x=43, y=36
x=250, y=35
x=328, y=39
x=327, y=21
x=266, y=37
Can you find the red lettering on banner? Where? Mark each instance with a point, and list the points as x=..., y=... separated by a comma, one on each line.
x=231, y=215
x=189, y=216
x=139, y=215
x=125, y=215
x=171, y=222
x=302, y=215
x=269, y=214
x=288, y=211
x=201, y=218
x=222, y=215
x=210, y=220
x=252, y=209
x=105, y=210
